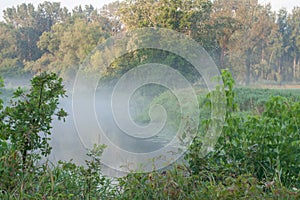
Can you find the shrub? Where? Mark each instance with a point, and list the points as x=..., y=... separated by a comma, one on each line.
x=265, y=145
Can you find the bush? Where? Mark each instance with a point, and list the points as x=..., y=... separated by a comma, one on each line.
x=254, y=99
x=256, y=157
x=25, y=127
x=265, y=145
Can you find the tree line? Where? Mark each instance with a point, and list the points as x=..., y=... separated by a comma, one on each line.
x=254, y=42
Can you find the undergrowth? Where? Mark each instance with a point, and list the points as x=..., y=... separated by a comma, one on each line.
x=256, y=157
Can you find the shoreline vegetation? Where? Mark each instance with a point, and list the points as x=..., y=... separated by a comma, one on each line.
x=256, y=44
x=256, y=49
x=256, y=157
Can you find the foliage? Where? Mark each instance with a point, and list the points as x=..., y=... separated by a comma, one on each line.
x=25, y=130
x=139, y=57
x=177, y=183
x=253, y=99
x=25, y=127
x=70, y=181
x=255, y=42
x=264, y=145
x=30, y=116
x=64, y=180
x=257, y=156
x=1, y=85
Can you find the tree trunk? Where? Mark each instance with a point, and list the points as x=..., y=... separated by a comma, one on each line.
x=248, y=66
x=222, y=58
x=294, y=67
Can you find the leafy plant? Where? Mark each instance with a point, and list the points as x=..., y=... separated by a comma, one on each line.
x=253, y=99
x=256, y=157
x=265, y=145
x=25, y=127
x=27, y=122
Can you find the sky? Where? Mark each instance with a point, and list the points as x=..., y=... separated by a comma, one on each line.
x=276, y=4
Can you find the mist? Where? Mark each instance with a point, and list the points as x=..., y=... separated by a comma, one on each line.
x=89, y=124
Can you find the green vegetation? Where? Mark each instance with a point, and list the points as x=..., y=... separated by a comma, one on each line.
x=258, y=153
x=254, y=99
x=256, y=157
x=264, y=145
x=24, y=140
x=256, y=43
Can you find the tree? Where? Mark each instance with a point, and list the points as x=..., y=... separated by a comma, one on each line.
x=22, y=16
x=109, y=11
x=49, y=14
x=184, y=16
x=242, y=35
x=41, y=19
x=294, y=23
x=225, y=24
x=31, y=23
x=282, y=45
x=247, y=43
x=27, y=122
x=67, y=46
x=10, y=62
x=1, y=85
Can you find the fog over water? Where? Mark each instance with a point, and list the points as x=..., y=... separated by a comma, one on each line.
x=114, y=114
x=125, y=151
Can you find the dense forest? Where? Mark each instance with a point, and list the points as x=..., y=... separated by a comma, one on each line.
x=254, y=42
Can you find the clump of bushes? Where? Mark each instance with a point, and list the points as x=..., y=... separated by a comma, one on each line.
x=25, y=128
x=256, y=157
x=254, y=99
